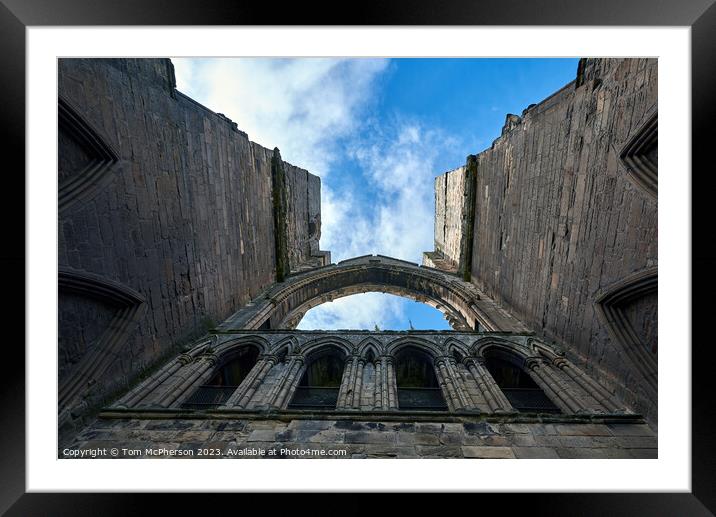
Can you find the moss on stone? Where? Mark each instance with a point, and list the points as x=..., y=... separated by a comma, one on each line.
x=279, y=198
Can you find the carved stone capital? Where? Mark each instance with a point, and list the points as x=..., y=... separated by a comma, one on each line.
x=442, y=359
x=209, y=357
x=296, y=357
x=560, y=362
x=185, y=359
x=532, y=363
x=473, y=361
x=270, y=358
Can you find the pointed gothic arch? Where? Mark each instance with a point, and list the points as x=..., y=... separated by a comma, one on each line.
x=613, y=307
x=283, y=305
x=370, y=345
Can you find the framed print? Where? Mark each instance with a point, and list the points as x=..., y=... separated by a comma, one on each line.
x=408, y=248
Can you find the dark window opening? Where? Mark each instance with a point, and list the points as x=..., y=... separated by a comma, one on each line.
x=417, y=384
x=519, y=388
x=225, y=381
x=319, y=385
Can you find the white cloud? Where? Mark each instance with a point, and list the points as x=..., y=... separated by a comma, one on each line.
x=398, y=160
x=359, y=311
x=301, y=106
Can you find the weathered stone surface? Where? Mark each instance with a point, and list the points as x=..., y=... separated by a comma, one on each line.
x=535, y=452
x=558, y=220
x=487, y=452
x=377, y=439
x=186, y=221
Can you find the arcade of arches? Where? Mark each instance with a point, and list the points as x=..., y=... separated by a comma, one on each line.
x=486, y=370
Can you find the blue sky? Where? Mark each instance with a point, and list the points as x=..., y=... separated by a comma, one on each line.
x=377, y=131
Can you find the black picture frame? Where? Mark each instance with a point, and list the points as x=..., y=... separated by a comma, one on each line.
x=700, y=15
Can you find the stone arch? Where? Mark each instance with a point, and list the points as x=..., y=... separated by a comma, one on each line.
x=505, y=346
x=118, y=308
x=640, y=155
x=614, y=304
x=96, y=163
x=225, y=348
x=541, y=349
x=513, y=369
x=417, y=383
x=370, y=345
x=453, y=345
x=285, y=347
x=432, y=349
x=320, y=377
x=283, y=305
x=321, y=345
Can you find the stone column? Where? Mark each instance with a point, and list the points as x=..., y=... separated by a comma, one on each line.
x=345, y=395
x=392, y=384
x=358, y=385
x=389, y=391
x=466, y=401
x=378, y=386
x=146, y=389
x=539, y=370
x=351, y=383
x=285, y=385
x=589, y=385
x=494, y=397
x=242, y=395
x=194, y=374
x=446, y=384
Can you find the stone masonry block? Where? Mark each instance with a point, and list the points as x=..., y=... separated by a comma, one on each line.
x=470, y=451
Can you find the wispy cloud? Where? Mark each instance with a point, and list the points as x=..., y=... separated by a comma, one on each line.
x=398, y=164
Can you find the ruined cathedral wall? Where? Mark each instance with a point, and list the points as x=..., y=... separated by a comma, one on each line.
x=304, y=218
x=557, y=219
x=182, y=222
x=449, y=224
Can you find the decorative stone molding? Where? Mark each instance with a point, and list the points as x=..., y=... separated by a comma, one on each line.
x=375, y=389
x=103, y=160
x=610, y=305
x=460, y=301
x=640, y=156
x=130, y=307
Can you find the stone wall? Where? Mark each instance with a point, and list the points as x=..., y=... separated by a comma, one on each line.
x=307, y=438
x=558, y=219
x=166, y=206
x=368, y=420
x=449, y=206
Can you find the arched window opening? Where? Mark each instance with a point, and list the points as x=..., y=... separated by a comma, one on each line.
x=417, y=385
x=320, y=383
x=225, y=380
x=519, y=388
